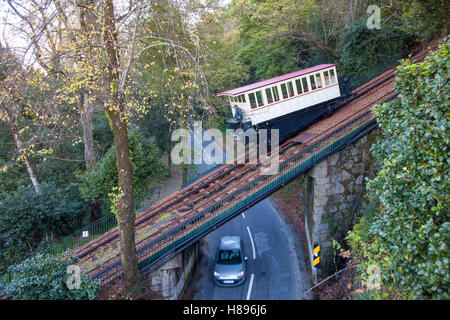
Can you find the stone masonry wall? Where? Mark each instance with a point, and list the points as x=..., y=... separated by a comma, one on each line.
x=334, y=188
x=170, y=279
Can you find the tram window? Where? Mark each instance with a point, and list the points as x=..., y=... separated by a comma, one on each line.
x=305, y=84
x=259, y=98
x=298, y=84
x=276, y=96
x=291, y=89
x=251, y=98
x=326, y=76
x=242, y=97
x=318, y=80
x=284, y=91
x=313, y=82
x=332, y=76
x=231, y=99
x=269, y=95
x=238, y=99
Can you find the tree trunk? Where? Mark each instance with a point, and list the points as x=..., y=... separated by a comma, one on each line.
x=169, y=155
x=116, y=112
x=325, y=49
x=446, y=17
x=33, y=177
x=89, y=155
x=21, y=151
x=96, y=210
x=88, y=128
x=125, y=204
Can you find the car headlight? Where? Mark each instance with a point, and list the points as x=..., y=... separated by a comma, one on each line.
x=216, y=274
x=241, y=274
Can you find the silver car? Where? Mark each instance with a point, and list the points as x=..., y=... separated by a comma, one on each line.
x=230, y=262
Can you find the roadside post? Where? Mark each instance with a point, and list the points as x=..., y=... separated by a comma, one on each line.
x=316, y=257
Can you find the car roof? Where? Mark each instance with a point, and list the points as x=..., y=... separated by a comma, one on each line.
x=230, y=243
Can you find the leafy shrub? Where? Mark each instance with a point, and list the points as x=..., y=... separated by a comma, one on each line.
x=408, y=237
x=366, y=52
x=426, y=18
x=26, y=218
x=44, y=277
x=145, y=157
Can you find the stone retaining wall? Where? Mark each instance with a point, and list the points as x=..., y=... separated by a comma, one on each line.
x=171, y=279
x=333, y=192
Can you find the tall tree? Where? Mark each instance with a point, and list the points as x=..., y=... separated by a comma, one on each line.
x=14, y=104
x=62, y=34
x=94, y=58
x=297, y=26
x=171, y=77
x=117, y=114
x=183, y=73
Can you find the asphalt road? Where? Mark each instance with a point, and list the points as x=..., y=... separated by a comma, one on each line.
x=274, y=259
x=198, y=144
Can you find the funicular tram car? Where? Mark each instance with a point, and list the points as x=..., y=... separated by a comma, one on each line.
x=289, y=102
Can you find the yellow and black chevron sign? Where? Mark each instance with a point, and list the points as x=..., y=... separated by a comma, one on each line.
x=316, y=253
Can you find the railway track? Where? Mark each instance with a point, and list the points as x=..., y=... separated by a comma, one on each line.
x=219, y=183
x=184, y=204
x=224, y=177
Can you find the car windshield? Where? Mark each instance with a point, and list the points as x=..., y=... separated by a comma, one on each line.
x=229, y=257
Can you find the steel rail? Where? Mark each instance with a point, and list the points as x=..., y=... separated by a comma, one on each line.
x=116, y=262
x=111, y=259
x=361, y=91
x=238, y=200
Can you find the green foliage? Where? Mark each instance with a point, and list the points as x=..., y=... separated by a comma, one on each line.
x=408, y=238
x=154, y=124
x=363, y=49
x=425, y=18
x=61, y=173
x=223, y=69
x=145, y=157
x=269, y=58
x=236, y=44
x=364, y=247
x=26, y=218
x=114, y=197
x=11, y=174
x=102, y=133
x=43, y=277
x=266, y=50
x=219, y=31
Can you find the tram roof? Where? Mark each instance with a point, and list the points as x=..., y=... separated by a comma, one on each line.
x=284, y=77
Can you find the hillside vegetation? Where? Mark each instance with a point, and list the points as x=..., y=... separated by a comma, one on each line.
x=404, y=231
x=90, y=96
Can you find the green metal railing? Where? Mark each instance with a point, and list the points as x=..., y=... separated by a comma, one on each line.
x=84, y=235
x=242, y=198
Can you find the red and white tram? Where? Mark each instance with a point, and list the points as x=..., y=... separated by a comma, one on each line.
x=288, y=102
